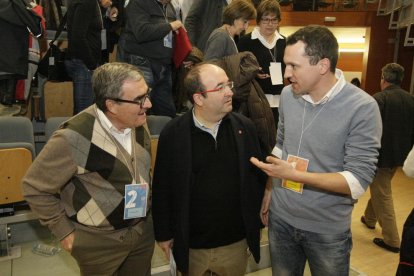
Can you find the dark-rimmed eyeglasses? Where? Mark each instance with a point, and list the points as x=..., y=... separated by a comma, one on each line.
x=220, y=88
x=138, y=101
x=269, y=20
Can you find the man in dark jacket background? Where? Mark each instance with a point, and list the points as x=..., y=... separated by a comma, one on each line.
x=397, y=112
x=203, y=17
x=206, y=194
x=147, y=42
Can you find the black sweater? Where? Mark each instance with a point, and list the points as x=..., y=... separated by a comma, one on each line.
x=15, y=19
x=397, y=112
x=215, y=210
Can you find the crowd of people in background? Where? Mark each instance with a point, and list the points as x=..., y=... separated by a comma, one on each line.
x=272, y=135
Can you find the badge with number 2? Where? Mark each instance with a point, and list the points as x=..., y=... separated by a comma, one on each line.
x=136, y=197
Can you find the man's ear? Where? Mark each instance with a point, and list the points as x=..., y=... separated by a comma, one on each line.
x=324, y=66
x=111, y=106
x=198, y=99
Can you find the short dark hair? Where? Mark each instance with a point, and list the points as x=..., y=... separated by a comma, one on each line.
x=192, y=81
x=108, y=79
x=319, y=42
x=267, y=7
x=393, y=73
x=356, y=82
x=238, y=9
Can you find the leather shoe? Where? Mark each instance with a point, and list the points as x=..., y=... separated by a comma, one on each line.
x=381, y=243
x=364, y=222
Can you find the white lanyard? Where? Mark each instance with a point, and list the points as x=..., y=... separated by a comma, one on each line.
x=303, y=123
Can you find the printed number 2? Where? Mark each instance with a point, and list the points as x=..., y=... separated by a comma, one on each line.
x=133, y=195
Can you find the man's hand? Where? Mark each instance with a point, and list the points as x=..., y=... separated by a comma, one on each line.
x=275, y=167
x=278, y=168
x=67, y=242
x=166, y=247
x=264, y=211
x=113, y=14
x=175, y=25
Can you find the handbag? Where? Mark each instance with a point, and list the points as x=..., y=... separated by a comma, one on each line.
x=52, y=65
x=182, y=46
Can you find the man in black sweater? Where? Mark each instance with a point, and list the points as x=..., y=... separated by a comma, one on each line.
x=206, y=194
x=397, y=113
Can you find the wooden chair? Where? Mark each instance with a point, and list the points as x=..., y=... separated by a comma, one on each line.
x=58, y=98
x=17, y=151
x=14, y=163
x=155, y=126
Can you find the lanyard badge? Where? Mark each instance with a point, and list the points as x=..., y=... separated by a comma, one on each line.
x=299, y=164
x=136, y=198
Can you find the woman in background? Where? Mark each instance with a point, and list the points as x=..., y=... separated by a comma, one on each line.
x=268, y=45
x=236, y=18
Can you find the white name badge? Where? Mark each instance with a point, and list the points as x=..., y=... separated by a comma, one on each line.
x=275, y=70
x=168, y=40
x=136, y=196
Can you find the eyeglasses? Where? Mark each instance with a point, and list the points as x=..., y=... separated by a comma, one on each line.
x=269, y=20
x=138, y=101
x=220, y=88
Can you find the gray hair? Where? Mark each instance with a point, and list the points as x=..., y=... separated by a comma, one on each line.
x=393, y=73
x=108, y=79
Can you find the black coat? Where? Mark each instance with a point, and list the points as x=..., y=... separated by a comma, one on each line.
x=15, y=19
x=84, y=32
x=172, y=178
x=397, y=112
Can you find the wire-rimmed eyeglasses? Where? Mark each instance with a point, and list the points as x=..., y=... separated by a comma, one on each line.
x=220, y=88
x=138, y=101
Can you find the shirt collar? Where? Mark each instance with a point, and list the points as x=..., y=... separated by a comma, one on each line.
x=213, y=131
x=332, y=92
x=107, y=124
x=257, y=35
